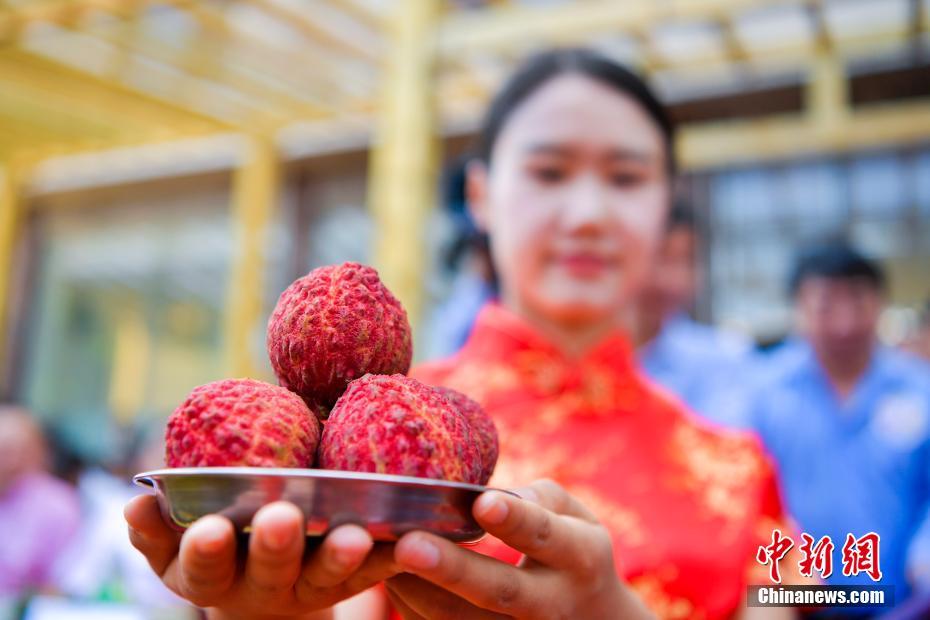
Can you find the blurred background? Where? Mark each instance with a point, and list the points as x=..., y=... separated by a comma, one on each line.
x=167, y=167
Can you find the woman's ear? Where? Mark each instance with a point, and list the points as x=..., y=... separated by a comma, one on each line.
x=476, y=193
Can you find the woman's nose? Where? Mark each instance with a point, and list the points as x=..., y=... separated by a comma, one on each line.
x=587, y=206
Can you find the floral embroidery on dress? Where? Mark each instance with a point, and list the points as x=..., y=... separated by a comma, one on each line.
x=718, y=468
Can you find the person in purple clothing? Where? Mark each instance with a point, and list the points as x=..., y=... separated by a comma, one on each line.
x=39, y=513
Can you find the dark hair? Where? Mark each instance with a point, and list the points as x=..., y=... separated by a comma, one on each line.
x=465, y=233
x=835, y=260
x=681, y=217
x=542, y=67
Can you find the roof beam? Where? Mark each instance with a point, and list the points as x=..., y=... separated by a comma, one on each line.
x=512, y=25
x=273, y=102
x=362, y=14
x=315, y=32
x=285, y=68
x=55, y=108
x=83, y=92
x=63, y=12
x=288, y=68
x=721, y=144
x=507, y=26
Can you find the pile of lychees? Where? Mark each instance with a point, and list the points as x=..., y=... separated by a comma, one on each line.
x=340, y=345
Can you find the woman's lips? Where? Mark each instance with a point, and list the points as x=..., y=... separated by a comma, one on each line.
x=583, y=265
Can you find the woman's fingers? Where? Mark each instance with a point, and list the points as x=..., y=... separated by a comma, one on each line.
x=564, y=542
x=341, y=553
x=483, y=581
x=201, y=565
x=206, y=566
x=378, y=566
x=346, y=562
x=552, y=496
x=321, y=587
x=276, y=549
x=417, y=598
x=149, y=534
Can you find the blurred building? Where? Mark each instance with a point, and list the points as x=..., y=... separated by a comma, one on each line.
x=169, y=166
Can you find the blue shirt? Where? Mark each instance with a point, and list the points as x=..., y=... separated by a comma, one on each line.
x=855, y=466
x=707, y=368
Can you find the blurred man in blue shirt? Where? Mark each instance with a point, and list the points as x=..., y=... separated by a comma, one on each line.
x=848, y=420
x=706, y=367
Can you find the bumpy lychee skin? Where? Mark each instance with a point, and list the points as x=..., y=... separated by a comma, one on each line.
x=483, y=428
x=334, y=325
x=397, y=425
x=241, y=422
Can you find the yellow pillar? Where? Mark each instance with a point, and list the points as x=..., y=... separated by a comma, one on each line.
x=131, y=360
x=9, y=234
x=255, y=192
x=827, y=102
x=402, y=173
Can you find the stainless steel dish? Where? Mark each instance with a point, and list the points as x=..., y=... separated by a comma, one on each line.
x=388, y=506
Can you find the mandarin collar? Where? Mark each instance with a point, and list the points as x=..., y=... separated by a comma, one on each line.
x=497, y=328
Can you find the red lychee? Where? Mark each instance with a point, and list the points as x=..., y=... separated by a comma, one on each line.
x=241, y=422
x=482, y=427
x=334, y=325
x=397, y=425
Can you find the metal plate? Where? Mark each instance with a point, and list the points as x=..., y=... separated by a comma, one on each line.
x=388, y=506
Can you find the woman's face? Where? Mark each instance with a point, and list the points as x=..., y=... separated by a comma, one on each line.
x=574, y=201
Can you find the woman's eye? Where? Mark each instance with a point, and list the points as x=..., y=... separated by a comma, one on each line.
x=549, y=174
x=625, y=179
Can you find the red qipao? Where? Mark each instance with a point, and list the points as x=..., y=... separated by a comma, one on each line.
x=687, y=504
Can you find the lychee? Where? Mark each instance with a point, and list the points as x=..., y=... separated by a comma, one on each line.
x=397, y=425
x=483, y=428
x=334, y=325
x=241, y=422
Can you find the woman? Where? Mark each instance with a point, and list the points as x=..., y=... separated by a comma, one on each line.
x=572, y=184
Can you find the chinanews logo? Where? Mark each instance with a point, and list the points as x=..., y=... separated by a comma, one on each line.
x=859, y=556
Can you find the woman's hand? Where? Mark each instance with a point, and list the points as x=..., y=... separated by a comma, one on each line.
x=567, y=572
x=276, y=577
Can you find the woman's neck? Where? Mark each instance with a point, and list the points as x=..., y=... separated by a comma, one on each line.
x=572, y=338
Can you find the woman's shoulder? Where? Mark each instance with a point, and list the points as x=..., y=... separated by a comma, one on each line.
x=719, y=441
